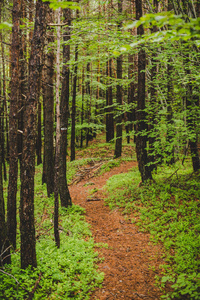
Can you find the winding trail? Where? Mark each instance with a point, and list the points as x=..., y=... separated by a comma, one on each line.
x=130, y=261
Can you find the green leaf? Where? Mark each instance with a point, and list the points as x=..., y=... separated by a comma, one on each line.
x=5, y=25
x=54, y=4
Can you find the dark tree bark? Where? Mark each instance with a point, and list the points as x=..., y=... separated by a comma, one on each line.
x=131, y=98
x=82, y=106
x=48, y=111
x=88, y=105
x=170, y=94
x=64, y=109
x=23, y=78
x=58, y=138
x=39, y=135
x=191, y=106
x=73, y=116
x=27, y=226
x=118, y=143
x=4, y=243
x=142, y=127
x=4, y=128
x=153, y=101
x=109, y=103
x=13, y=126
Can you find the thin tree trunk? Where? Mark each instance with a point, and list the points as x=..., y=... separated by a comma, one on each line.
x=48, y=111
x=131, y=97
x=109, y=103
x=73, y=117
x=82, y=106
x=23, y=78
x=141, y=139
x=57, y=155
x=88, y=105
x=4, y=243
x=4, y=112
x=153, y=101
x=170, y=93
x=27, y=226
x=39, y=135
x=191, y=106
x=118, y=143
x=13, y=125
x=64, y=117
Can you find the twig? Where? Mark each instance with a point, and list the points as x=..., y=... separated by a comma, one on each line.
x=175, y=172
x=39, y=235
x=10, y=276
x=93, y=199
x=143, y=296
x=31, y=294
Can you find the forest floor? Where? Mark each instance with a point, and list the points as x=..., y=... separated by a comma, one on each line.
x=129, y=261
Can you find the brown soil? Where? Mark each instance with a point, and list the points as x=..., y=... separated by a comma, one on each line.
x=131, y=261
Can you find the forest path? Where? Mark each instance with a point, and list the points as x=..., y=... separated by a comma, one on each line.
x=130, y=261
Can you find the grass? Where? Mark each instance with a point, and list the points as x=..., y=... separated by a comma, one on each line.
x=66, y=273
x=169, y=209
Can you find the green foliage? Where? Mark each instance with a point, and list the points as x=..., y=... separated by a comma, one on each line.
x=55, y=4
x=5, y=25
x=68, y=272
x=174, y=28
x=169, y=210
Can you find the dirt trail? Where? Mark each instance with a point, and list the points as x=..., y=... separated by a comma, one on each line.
x=127, y=260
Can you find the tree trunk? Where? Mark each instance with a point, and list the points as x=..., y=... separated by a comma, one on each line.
x=73, y=117
x=48, y=111
x=4, y=243
x=27, y=226
x=4, y=112
x=141, y=139
x=109, y=103
x=88, y=105
x=57, y=155
x=39, y=135
x=64, y=117
x=82, y=106
x=118, y=143
x=13, y=125
x=23, y=78
x=131, y=97
x=170, y=127
x=153, y=101
x=191, y=106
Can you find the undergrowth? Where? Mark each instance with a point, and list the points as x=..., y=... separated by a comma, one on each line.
x=169, y=209
x=66, y=273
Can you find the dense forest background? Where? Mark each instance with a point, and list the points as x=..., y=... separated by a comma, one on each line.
x=70, y=70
